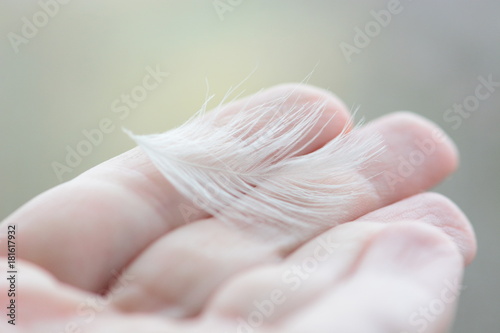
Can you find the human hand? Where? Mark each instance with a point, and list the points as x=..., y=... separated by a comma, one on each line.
x=110, y=251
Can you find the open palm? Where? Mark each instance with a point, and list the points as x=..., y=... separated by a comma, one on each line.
x=111, y=250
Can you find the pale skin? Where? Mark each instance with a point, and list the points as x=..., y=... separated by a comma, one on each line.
x=393, y=264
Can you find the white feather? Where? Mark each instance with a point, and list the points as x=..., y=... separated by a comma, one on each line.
x=247, y=167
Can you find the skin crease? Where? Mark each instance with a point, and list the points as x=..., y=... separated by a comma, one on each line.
x=395, y=251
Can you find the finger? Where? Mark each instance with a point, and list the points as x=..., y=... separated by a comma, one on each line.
x=261, y=296
x=419, y=155
x=408, y=279
x=329, y=258
x=38, y=303
x=403, y=134
x=433, y=209
x=88, y=228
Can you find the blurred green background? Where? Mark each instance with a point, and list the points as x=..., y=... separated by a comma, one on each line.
x=66, y=76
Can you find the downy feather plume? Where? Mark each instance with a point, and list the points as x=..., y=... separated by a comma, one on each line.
x=247, y=167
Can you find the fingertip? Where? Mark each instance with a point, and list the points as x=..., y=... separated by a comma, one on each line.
x=302, y=93
x=413, y=248
x=289, y=98
x=418, y=155
x=428, y=131
x=432, y=209
x=454, y=222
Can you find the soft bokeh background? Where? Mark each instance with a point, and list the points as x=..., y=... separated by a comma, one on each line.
x=64, y=80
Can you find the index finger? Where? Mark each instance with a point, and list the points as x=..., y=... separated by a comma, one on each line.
x=88, y=229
